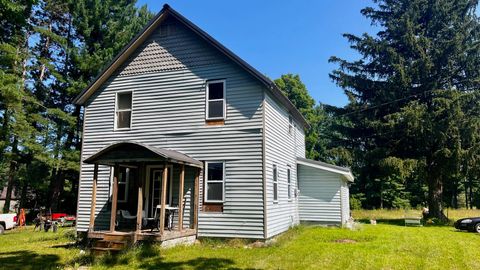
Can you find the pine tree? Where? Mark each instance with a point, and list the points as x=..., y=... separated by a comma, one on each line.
x=407, y=91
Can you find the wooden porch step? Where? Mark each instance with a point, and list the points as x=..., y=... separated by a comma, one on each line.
x=102, y=251
x=116, y=236
x=111, y=244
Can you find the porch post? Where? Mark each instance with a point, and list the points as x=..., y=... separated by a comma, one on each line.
x=113, y=214
x=195, y=200
x=94, y=198
x=141, y=180
x=163, y=199
x=180, y=199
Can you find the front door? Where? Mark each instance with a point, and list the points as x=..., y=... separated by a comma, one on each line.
x=154, y=188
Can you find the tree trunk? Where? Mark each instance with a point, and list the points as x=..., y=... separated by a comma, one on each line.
x=58, y=186
x=10, y=181
x=435, y=196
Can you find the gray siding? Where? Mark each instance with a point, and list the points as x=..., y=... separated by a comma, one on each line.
x=168, y=75
x=280, y=149
x=320, y=198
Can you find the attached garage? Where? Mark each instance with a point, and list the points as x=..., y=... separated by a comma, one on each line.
x=324, y=192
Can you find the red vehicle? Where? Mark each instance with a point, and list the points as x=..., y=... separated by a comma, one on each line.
x=63, y=219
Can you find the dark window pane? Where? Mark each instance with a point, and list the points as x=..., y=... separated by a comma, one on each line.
x=121, y=192
x=215, y=90
x=275, y=191
x=215, y=171
x=123, y=119
x=124, y=101
x=274, y=173
x=215, y=192
x=288, y=175
x=215, y=109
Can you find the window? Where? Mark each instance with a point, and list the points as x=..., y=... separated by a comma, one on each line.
x=216, y=106
x=290, y=124
x=125, y=175
x=289, y=183
x=214, y=182
x=123, y=110
x=275, y=183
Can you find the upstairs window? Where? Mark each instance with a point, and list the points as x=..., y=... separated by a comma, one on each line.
x=275, y=183
x=290, y=124
x=123, y=110
x=216, y=105
x=214, y=182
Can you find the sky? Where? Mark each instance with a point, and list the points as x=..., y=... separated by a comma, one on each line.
x=280, y=37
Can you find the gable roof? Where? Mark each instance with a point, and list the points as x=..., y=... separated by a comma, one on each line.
x=150, y=27
x=344, y=172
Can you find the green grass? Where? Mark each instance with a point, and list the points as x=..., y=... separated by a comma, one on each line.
x=383, y=246
x=25, y=249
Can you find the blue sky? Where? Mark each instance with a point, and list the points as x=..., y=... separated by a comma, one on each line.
x=279, y=37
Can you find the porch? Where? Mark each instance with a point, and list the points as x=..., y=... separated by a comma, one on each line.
x=154, y=194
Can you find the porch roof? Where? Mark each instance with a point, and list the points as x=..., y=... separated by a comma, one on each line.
x=129, y=152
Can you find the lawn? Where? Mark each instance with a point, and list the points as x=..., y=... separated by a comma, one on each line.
x=383, y=246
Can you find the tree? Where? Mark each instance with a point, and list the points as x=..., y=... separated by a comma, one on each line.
x=409, y=91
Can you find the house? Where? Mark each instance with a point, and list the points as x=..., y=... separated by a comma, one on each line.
x=182, y=138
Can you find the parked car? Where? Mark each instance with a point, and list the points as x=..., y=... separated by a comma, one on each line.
x=7, y=222
x=471, y=224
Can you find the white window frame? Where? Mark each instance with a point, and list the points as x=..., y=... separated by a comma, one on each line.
x=126, y=182
x=123, y=110
x=214, y=181
x=275, y=182
x=289, y=183
x=224, y=99
x=291, y=124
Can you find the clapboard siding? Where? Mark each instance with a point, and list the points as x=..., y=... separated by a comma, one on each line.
x=319, y=199
x=168, y=85
x=280, y=149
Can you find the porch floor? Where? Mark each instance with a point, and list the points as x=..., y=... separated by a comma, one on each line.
x=144, y=235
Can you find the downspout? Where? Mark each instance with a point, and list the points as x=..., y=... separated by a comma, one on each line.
x=264, y=169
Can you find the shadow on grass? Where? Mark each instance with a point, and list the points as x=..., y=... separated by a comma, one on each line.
x=397, y=221
x=28, y=260
x=150, y=258
x=197, y=263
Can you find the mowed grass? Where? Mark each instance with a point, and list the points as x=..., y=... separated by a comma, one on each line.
x=369, y=247
x=22, y=248
x=383, y=246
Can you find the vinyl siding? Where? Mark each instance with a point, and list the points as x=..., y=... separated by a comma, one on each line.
x=167, y=76
x=280, y=149
x=320, y=198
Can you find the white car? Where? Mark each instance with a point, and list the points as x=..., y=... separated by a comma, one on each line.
x=7, y=222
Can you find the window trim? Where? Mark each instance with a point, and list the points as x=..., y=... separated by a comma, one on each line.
x=291, y=124
x=115, y=128
x=110, y=186
x=275, y=182
x=126, y=183
x=224, y=99
x=205, y=199
x=289, y=183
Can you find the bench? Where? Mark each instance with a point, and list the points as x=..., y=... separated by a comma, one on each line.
x=413, y=218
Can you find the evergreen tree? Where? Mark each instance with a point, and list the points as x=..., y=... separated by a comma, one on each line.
x=406, y=91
